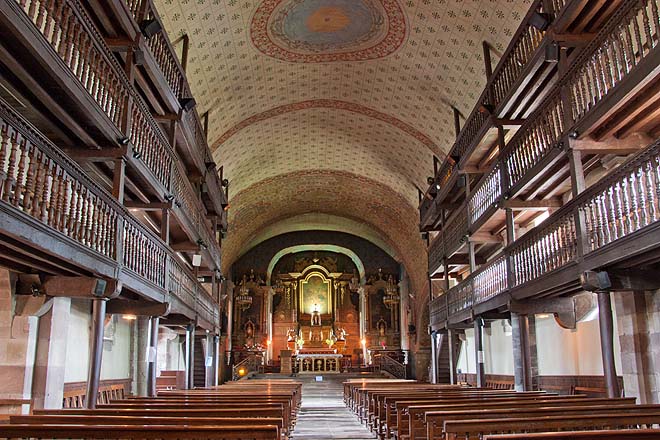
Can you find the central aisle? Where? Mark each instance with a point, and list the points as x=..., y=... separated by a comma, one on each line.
x=323, y=414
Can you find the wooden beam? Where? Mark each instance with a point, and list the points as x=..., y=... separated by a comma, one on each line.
x=152, y=206
x=573, y=40
x=99, y=155
x=484, y=237
x=519, y=204
x=137, y=308
x=509, y=123
x=185, y=247
x=119, y=44
x=81, y=287
x=628, y=145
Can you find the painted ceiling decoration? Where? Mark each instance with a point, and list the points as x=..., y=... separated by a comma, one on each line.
x=321, y=31
x=333, y=104
x=335, y=107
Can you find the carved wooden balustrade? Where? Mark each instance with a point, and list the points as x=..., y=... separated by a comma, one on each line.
x=39, y=181
x=518, y=56
x=619, y=207
x=629, y=38
x=486, y=194
x=70, y=32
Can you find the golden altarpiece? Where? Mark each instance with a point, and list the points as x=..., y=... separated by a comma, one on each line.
x=318, y=308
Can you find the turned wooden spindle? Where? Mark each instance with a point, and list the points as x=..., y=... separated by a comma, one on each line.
x=5, y=139
x=31, y=181
x=10, y=181
x=20, y=172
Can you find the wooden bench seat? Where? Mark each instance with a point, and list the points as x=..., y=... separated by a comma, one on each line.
x=165, y=432
x=414, y=425
x=478, y=428
x=620, y=434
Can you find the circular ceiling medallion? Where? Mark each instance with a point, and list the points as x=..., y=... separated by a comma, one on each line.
x=320, y=31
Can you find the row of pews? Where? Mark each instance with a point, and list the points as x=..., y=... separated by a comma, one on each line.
x=254, y=409
x=407, y=410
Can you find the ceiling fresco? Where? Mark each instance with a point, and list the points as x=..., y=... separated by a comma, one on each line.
x=335, y=107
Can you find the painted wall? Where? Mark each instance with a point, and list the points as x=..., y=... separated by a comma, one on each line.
x=560, y=351
x=116, y=347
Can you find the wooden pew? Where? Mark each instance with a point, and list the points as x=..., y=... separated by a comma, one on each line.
x=164, y=432
x=416, y=418
x=477, y=428
x=96, y=419
x=620, y=434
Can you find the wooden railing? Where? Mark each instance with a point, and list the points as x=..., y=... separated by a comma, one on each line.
x=40, y=181
x=485, y=195
x=630, y=36
x=391, y=366
x=619, y=205
x=249, y=364
x=520, y=52
x=70, y=32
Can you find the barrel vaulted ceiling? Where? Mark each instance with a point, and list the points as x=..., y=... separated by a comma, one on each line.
x=347, y=97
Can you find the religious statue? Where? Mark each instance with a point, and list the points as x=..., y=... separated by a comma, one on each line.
x=248, y=329
x=291, y=337
x=382, y=337
x=316, y=316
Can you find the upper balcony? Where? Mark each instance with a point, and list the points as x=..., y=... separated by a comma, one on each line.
x=526, y=73
x=57, y=220
x=81, y=94
x=531, y=174
x=621, y=211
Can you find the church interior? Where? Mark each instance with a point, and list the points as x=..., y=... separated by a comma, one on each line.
x=330, y=219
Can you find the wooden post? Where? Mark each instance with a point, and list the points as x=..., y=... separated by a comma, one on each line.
x=95, y=353
x=152, y=356
x=216, y=360
x=118, y=179
x=457, y=121
x=479, y=351
x=165, y=226
x=607, y=343
x=190, y=356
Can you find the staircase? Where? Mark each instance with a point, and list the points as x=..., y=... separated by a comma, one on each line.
x=444, y=374
x=199, y=363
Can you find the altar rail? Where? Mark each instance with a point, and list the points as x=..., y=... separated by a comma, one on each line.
x=70, y=32
x=395, y=368
x=628, y=41
x=39, y=181
x=621, y=206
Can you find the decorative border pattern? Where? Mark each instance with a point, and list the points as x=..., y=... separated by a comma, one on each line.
x=396, y=34
x=333, y=104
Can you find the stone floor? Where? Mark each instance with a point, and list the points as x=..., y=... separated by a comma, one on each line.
x=323, y=414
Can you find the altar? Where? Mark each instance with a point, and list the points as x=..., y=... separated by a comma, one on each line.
x=318, y=363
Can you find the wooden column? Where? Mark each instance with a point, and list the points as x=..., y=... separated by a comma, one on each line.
x=479, y=351
x=152, y=356
x=95, y=353
x=190, y=356
x=607, y=343
x=216, y=360
x=165, y=226
x=118, y=179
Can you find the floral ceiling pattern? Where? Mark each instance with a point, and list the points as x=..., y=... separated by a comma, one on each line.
x=373, y=118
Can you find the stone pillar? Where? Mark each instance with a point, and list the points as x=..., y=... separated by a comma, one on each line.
x=607, y=343
x=143, y=340
x=434, y=357
x=152, y=356
x=95, y=352
x=50, y=364
x=479, y=352
x=208, y=361
x=638, y=325
x=190, y=357
x=525, y=362
x=453, y=356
